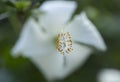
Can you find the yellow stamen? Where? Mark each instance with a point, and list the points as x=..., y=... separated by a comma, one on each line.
x=64, y=43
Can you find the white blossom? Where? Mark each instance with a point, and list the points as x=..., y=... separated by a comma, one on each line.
x=37, y=40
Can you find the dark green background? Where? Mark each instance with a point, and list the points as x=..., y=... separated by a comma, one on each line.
x=105, y=14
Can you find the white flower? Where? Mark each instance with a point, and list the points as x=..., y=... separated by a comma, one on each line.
x=109, y=75
x=38, y=39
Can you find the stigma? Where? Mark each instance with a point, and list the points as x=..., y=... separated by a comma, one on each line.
x=64, y=43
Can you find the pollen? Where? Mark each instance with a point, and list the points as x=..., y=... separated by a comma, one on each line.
x=64, y=43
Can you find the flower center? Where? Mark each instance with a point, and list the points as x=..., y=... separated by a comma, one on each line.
x=64, y=43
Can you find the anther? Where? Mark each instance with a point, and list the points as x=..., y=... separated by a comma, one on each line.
x=64, y=43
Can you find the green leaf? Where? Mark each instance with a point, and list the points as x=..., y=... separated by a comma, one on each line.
x=15, y=22
x=22, y=5
x=10, y=3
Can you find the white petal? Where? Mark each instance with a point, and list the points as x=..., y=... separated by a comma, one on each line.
x=83, y=31
x=33, y=41
x=57, y=14
x=77, y=58
x=52, y=66
x=109, y=75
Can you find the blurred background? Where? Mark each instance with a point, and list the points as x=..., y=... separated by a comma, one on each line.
x=105, y=14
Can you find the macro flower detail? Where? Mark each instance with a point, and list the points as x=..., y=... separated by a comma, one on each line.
x=52, y=33
x=64, y=43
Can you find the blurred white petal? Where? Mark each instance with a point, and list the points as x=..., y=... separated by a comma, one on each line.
x=57, y=14
x=33, y=41
x=83, y=31
x=109, y=75
x=77, y=58
x=52, y=65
